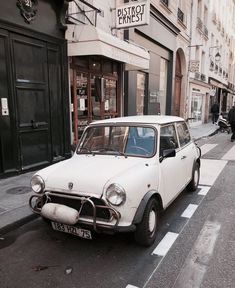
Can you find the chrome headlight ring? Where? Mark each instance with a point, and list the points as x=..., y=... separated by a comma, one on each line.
x=115, y=194
x=37, y=184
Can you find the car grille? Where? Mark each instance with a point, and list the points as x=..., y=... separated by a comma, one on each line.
x=87, y=209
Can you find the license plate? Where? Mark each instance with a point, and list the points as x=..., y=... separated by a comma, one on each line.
x=83, y=233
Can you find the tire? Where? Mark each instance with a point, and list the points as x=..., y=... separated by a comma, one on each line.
x=193, y=184
x=146, y=230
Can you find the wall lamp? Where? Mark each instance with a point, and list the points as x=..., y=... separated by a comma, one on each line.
x=217, y=55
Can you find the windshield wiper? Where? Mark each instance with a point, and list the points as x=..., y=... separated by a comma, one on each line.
x=106, y=149
x=85, y=149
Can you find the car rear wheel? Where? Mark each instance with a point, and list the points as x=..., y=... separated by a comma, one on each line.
x=192, y=186
x=146, y=230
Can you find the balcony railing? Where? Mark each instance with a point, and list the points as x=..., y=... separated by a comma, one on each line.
x=199, y=23
x=165, y=2
x=212, y=64
x=214, y=18
x=230, y=86
x=203, y=77
x=205, y=31
x=197, y=75
x=180, y=15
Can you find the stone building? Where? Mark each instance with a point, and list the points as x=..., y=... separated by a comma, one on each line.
x=34, y=102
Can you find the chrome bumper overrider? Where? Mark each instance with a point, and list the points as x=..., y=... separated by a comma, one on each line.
x=36, y=203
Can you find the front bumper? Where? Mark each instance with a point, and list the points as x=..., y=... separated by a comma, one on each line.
x=94, y=213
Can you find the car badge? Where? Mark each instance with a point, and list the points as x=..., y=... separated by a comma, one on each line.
x=70, y=185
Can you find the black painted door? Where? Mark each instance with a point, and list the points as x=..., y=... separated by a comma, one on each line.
x=32, y=100
x=8, y=149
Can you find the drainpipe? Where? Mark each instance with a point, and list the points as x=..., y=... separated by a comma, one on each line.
x=187, y=108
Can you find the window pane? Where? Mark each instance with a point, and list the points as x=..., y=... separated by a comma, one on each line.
x=183, y=133
x=110, y=95
x=168, y=139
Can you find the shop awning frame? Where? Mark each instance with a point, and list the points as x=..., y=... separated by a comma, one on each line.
x=86, y=40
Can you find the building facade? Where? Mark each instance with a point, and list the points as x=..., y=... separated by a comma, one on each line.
x=165, y=84
x=34, y=118
x=98, y=58
x=212, y=58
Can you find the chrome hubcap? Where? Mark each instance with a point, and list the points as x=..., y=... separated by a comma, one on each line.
x=152, y=221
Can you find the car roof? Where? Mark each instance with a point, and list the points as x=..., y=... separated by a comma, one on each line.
x=143, y=119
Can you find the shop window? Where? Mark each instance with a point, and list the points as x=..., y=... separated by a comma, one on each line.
x=196, y=107
x=163, y=86
x=110, y=87
x=96, y=97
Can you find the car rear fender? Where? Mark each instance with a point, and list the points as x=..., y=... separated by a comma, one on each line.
x=140, y=210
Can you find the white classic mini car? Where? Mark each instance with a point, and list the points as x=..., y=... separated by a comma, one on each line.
x=122, y=174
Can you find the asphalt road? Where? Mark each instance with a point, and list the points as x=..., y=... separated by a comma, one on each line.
x=195, y=246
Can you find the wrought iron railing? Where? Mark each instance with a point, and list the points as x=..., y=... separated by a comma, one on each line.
x=165, y=2
x=180, y=15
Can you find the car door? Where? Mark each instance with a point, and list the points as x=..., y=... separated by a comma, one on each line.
x=171, y=170
x=187, y=149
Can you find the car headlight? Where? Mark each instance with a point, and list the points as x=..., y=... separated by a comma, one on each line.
x=37, y=184
x=115, y=195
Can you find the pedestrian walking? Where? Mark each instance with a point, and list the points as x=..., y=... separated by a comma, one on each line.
x=215, y=112
x=231, y=120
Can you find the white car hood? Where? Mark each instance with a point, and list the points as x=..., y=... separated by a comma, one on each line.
x=87, y=173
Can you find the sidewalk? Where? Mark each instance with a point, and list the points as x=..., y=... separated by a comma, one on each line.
x=15, y=191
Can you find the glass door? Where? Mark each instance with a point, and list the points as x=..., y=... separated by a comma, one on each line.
x=96, y=98
x=110, y=98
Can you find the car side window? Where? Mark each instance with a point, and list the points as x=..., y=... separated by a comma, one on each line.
x=183, y=133
x=168, y=138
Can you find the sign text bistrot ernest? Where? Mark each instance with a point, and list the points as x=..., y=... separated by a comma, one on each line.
x=133, y=14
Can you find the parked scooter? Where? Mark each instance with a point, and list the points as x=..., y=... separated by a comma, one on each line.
x=223, y=124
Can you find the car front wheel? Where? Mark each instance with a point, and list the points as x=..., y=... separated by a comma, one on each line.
x=146, y=230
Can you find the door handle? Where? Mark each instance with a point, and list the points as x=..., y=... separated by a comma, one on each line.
x=34, y=124
x=183, y=157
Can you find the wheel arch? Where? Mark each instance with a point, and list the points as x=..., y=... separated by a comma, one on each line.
x=140, y=210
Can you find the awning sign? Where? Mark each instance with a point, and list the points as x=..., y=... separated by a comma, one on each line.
x=131, y=15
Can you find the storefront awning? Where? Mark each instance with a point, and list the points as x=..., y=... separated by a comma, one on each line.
x=88, y=40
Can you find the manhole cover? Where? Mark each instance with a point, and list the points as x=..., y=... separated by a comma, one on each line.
x=19, y=190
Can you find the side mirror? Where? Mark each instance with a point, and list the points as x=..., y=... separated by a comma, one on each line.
x=167, y=154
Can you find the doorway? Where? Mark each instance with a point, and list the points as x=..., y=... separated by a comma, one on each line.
x=32, y=128
x=95, y=94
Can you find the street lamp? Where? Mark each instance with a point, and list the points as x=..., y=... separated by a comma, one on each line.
x=217, y=55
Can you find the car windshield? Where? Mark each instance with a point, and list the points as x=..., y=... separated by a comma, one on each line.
x=119, y=140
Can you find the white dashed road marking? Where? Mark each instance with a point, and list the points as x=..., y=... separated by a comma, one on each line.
x=164, y=246
x=195, y=265
x=131, y=286
x=203, y=190
x=189, y=211
x=230, y=155
x=207, y=147
x=210, y=170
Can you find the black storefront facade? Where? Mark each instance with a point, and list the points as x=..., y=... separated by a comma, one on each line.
x=151, y=91
x=34, y=101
